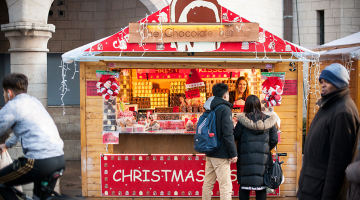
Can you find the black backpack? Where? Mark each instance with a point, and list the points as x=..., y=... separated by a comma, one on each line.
x=273, y=176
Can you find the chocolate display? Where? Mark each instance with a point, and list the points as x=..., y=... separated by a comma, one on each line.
x=109, y=128
x=164, y=110
x=175, y=99
x=143, y=102
x=168, y=117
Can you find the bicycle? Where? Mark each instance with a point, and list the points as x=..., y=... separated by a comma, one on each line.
x=45, y=190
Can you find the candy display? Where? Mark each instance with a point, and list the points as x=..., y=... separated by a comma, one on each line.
x=175, y=99
x=143, y=102
x=142, y=89
x=125, y=90
x=159, y=98
x=159, y=105
x=168, y=117
x=177, y=87
x=164, y=110
x=109, y=114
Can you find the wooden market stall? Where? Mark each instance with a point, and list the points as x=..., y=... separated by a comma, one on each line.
x=238, y=52
x=345, y=51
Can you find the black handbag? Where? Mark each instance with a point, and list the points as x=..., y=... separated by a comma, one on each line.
x=273, y=176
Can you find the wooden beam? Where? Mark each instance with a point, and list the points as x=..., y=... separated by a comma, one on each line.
x=357, y=85
x=83, y=128
x=137, y=65
x=336, y=47
x=198, y=54
x=299, y=123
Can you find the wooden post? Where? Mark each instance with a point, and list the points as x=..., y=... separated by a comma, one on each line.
x=357, y=86
x=83, y=129
x=299, y=123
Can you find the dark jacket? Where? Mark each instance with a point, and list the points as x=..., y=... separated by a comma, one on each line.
x=232, y=97
x=255, y=139
x=329, y=147
x=353, y=176
x=224, y=128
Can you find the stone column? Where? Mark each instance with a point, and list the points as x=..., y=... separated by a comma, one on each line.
x=29, y=33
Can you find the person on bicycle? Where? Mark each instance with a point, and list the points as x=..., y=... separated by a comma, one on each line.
x=37, y=133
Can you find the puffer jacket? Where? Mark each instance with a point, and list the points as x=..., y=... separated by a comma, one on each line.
x=255, y=139
x=353, y=176
x=224, y=127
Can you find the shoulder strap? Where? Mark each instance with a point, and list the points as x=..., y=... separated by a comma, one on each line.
x=218, y=107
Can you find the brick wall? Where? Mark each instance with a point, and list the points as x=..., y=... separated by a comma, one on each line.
x=87, y=21
x=342, y=18
x=69, y=130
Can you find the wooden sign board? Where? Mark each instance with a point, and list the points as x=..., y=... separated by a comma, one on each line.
x=189, y=32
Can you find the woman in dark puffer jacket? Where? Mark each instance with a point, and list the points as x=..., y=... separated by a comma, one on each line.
x=256, y=134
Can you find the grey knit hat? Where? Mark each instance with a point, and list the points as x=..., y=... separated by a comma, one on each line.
x=336, y=74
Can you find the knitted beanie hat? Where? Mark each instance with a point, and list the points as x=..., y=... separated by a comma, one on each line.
x=336, y=74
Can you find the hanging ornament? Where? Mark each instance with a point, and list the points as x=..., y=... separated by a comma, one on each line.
x=273, y=89
x=107, y=86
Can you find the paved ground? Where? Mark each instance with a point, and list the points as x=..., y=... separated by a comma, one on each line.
x=70, y=183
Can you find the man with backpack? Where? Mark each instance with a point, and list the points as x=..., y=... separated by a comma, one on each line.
x=218, y=162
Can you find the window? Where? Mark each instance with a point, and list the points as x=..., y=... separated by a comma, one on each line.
x=321, y=25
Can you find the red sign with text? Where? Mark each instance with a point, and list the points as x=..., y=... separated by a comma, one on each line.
x=91, y=89
x=183, y=73
x=158, y=175
x=192, y=94
x=110, y=137
x=290, y=87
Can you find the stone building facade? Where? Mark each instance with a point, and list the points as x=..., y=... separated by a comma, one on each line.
x=341, y=18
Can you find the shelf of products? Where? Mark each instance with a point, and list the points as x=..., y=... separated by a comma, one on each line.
x=125, y=90
x=109, y=114
x=162, y=107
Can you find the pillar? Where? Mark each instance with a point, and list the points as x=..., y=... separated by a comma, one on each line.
x=29, y=33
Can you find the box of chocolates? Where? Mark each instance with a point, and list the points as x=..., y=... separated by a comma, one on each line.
x=143, y=102
x=164, y=110
x=177, y=87
x=142, y=89
x=159, y=98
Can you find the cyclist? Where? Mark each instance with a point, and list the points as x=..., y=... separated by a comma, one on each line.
x=37, y=133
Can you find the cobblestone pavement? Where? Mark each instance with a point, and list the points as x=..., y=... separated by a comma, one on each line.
x=70, y=183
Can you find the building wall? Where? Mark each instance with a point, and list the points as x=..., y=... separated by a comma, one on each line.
x=4, y=19
x=342, y=18
x=88, y=21
x=269, y=14
x=69, y=129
